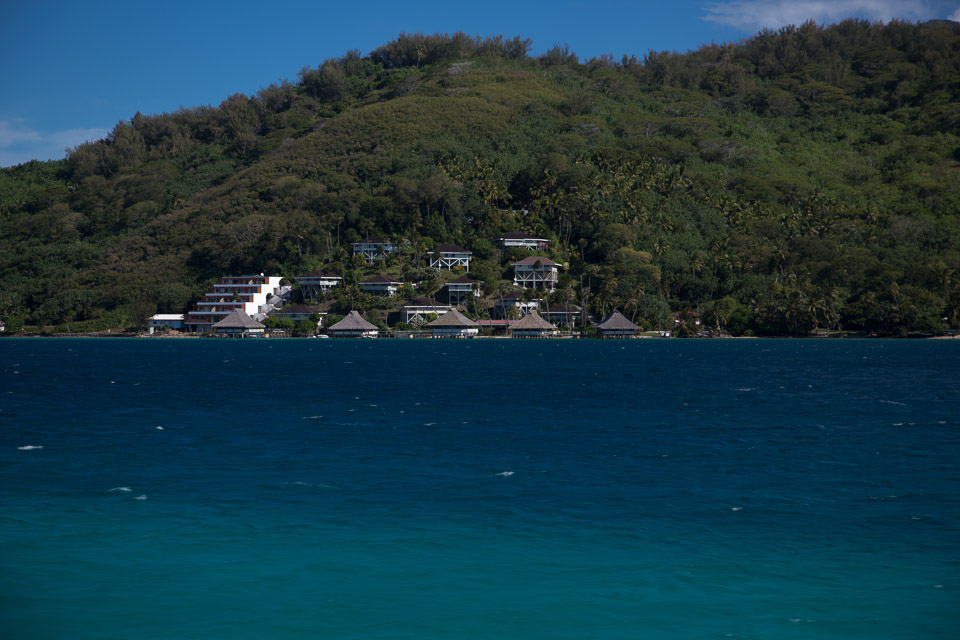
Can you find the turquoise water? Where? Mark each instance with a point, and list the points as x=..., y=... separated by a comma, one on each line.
x=479, y=489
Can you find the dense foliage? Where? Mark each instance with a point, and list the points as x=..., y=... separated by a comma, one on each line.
x=802, y=178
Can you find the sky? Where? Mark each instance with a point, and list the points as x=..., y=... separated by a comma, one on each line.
x=71, y=70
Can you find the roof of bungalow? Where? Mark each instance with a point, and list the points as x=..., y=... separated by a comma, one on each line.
x=519, y=235
x=353, y=322
x=532, y=321
x=452, y=318
x=426, y=302
x=372, y=240
x=617, y=322
x=561, y=308
x=516, y=294
x=380, y=279
x=319, y=273
x=238, y=320
x=546, y=262
x=297, y=308
x=461, y=280
x=448, y=248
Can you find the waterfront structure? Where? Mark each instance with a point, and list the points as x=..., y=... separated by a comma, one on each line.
x=453, y=324
x=166, y=321
x=617, y=326
x=457, y=290
x=535, y=272
x=316, y=283
x=417, y=310
x=381, y=286
x=373, y=248
x=250, y=294
x=239, y=325
x=520, y=239
x=532, y=326
x=562, y=315
x=353, y=326
x=448, y=256
x=512, y=299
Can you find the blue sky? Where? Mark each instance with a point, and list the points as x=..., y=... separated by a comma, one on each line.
x=72, y=70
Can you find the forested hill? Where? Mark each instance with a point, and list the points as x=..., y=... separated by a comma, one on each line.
x=801, y=178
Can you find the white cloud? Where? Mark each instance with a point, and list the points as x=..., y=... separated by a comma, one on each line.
x=21, y=143
x=955, y=16
x=753, y=15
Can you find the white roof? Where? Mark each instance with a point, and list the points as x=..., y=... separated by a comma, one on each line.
x=167, y=316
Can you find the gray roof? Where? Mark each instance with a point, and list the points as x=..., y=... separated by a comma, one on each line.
x=353, y=322
x=452, y=318
x=379, y=279
x=448, y=248
x=546, y=262
x=319, y=273
x=462, y=280
x=519, y=235
x=561, y=308
x=617, y=322
x=296, y=308
x=532, y=321
x=238, y=320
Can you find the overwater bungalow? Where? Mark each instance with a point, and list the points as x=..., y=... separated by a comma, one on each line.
x=617, y=326
x=532, y=326
x=453, y=324
x=239, y=325
x=353, y=326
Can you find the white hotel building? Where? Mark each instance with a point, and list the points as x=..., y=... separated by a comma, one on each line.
x=250, y=294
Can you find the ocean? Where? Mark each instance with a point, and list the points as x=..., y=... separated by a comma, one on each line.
x=479, y=489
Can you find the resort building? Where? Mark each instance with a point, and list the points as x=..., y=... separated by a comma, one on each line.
x=532, y=326
x=457, y=290
x=251, y=294
x=562, y=315
x=316, y=283
x=521, y=239
x=298, y=313
x=617, y=326
x=453, y=324
x=513, y=299
x=239, y=325
x=381, y=286
x=449, y=256
x=417, y=311
x=172, y=321
x=353, y=326
x=373, y=248
x=535, y=272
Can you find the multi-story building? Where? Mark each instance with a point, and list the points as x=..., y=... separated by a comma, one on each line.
x=449, y=256
x=250, y=294
x=512, y=299
x=535, y=272
x=460, y=288
x=315, y=283
x=381, y=286
x=521, y=239
x=372, y=248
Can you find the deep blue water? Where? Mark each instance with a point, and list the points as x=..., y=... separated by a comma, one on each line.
x=479, y=489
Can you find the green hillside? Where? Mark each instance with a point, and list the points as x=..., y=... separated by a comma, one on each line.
x=799, y=179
